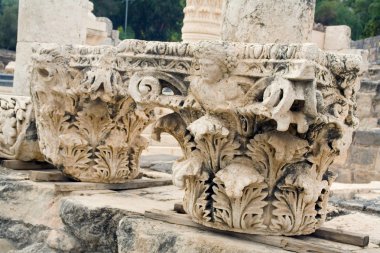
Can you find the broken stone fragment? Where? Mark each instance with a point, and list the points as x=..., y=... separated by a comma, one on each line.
x=89, y=127
x=18, y=133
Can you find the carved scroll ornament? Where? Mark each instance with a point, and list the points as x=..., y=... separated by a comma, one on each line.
x=259, y=125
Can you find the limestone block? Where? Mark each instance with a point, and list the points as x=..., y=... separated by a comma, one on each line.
x=363, y=174
x=137, y=235
x=264, y=21
x=368, y=138
x=365, y=105
x=337, y=37
x=21, y=83
x=203, y=20
x=96, y=29
x=318, y=38
x=52, y=21
x=87, y=123
x=18, y=133
x=363, y=156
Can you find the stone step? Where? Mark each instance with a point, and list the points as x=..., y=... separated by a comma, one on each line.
x=369, y=86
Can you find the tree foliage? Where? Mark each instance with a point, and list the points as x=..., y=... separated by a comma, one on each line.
x=8, y=24
x=147, y=19
x=363, y=16
x=162, y=19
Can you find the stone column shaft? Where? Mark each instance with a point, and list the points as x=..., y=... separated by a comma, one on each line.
x=203, y=19
x=41, y=21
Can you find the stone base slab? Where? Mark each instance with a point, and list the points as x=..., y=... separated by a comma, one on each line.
x=35, y=218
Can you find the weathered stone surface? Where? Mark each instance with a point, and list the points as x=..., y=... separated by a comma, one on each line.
x=367, y=138
x=203, y=20
x=94, y=228
x=54, y=21
x=259, y=124
x=365, y=105
x=363, y=162
x=36, y=248
x=318, y=38
x=108, y=221
x=60, y=240
x=220, y=146
x=6, y=245
x=46, y=22
x=88, y=124
x=264, y=21
x=362, y=155
x=18, y=133
x=160, y=163
x=144, y=235
x=372, y=45
x=337, y=37
x=21, y=234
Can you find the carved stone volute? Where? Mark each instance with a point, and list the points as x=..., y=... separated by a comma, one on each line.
x=259, y=124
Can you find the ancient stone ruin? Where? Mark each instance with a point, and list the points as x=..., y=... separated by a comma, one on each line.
x=259, y=124
x=259, y=116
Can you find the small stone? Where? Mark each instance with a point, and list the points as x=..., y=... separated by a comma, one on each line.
x=6, y=245
x=60, y=240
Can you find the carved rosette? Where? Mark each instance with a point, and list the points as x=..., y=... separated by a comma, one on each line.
x=88, y=125
x=18, y=133
x=259, y=126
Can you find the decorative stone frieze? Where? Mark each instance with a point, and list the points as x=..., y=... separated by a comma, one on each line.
x=203, y=20
x=259, y=124
x=88, y=125
x=18, y=133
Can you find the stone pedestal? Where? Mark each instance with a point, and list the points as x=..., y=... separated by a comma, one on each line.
x=264, y=21
x=203, y=20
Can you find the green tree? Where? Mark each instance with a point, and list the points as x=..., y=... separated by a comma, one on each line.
x=8, y=24
x=368, y=12
x=336, y=12
x=147, y=19
x=363, y=16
